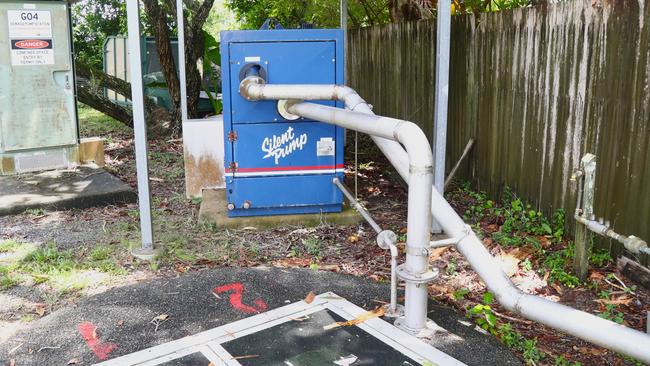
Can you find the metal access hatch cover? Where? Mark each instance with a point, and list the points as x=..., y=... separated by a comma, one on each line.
x=296, y=335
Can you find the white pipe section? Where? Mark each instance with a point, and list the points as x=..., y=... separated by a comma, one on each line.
x=420, y=176
x=571, y=321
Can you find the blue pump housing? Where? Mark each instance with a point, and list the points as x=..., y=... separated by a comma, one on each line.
x=275, y=166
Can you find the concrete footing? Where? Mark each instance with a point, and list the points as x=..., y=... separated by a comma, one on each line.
x=62, y=189
x=214, y=211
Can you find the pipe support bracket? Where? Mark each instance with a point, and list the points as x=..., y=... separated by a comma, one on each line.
x=421, y=278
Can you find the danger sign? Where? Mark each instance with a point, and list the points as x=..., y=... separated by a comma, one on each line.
x=32, y=52
x=30, y=33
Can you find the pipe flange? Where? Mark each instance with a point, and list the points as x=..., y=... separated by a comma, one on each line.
x=420, y=278
x=427, y=333
x=386, y=238
x=283, y=110
x=397, y=313
x=243, y=86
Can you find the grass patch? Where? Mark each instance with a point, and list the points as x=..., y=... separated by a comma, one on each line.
x=94, y=123
x=7, y=280
x=63, y=271
x=8, y=246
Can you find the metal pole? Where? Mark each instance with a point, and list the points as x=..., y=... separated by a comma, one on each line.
x=180, y=24
x=140, y=131
x=357, y=206
x=442, y=97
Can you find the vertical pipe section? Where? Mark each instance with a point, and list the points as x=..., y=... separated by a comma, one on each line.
x=139, y=126
x=415, y=272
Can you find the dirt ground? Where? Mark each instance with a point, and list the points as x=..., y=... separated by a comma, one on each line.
x=50, y=260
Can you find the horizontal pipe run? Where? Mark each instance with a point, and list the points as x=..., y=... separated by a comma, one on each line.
x=571, y=321
x=443, y=243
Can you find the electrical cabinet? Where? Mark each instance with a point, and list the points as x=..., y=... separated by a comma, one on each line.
x=275, y=166
x=38, y=119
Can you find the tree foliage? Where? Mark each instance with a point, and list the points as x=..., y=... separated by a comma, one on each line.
x=94, y=21
x=325, y=13
x=322, y=13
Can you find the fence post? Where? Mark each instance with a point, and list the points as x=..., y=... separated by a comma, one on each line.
x=583, y=236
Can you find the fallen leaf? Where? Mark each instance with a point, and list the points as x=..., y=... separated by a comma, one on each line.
x=329, y=267
x=39, y=309
x=358, y=320
x=245, y=357
x=509, y=263
x=347, y=360
x=437, y=252
x=310, y=297
x=596, y=276
x=162, y=317
x=623, y=300
x=353, y=238
x=119, y=323
x=590, y=351
x=74, y=361
x=521, y=253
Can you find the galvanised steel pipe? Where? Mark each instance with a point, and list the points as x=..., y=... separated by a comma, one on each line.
x=415, y=271
x=569, y=320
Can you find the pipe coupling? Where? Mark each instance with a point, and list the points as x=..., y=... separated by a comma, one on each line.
x=634, y=244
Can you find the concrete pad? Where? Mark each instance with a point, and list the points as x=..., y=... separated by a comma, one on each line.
x=214, y=210
x=132, y=318
x=62, y=189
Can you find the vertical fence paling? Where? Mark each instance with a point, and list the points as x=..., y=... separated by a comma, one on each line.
x=537, y=88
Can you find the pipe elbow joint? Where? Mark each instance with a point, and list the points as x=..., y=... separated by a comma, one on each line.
x=348, y=96
x=416, y=144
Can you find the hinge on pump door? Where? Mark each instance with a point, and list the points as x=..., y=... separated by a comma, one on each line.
x=232, y=136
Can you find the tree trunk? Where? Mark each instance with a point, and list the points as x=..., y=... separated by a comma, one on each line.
x=90, y=89
x=404, y=10
x=194, y=49
x=167, y=62
x=88, y=94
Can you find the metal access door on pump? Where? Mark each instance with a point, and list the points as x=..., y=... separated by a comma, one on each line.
x=279, y=166
x=37, y=98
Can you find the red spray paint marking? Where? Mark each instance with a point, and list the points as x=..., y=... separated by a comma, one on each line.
x=236, y=297
x=89, y=333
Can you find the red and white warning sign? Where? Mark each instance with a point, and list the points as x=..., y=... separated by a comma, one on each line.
x=31, y=52
x=30, y=33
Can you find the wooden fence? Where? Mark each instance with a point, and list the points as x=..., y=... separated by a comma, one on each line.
x=537, y=88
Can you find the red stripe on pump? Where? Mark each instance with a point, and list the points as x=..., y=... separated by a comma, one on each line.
x=286, y=168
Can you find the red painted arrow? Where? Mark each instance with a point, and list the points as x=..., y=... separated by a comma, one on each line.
x=89, y=333
x=237, y=290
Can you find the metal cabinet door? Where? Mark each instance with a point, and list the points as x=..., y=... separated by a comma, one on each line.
x=37, y=99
